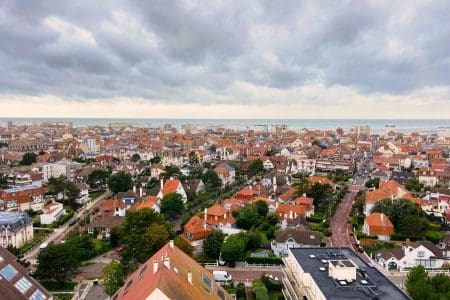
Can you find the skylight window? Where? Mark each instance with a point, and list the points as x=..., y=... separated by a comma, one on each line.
x=38, y=295
x=23, y=285
x=8, y=272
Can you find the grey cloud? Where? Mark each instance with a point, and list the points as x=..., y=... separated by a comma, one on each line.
x=208, y=47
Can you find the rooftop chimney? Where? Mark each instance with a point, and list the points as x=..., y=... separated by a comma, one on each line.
x=204, y=218
x=189, y=277
x=134, y=189
x=155, y=266
x=162, y=183
x=171, y=244
x=140, y=192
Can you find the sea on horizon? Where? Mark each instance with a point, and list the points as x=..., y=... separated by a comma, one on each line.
x=376, y=125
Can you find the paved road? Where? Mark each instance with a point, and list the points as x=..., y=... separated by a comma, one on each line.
x=59, y=233
x=339, y=225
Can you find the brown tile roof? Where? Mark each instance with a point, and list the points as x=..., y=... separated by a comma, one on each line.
x=170, y=186
x=301, y=236
x=379, y=224
x=171, y=278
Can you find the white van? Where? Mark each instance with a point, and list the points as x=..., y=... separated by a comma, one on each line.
x=222, y=276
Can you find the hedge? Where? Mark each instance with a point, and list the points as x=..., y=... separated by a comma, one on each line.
x=264, y=260
x=360, y=235
x=314, y=219
x=260, y=290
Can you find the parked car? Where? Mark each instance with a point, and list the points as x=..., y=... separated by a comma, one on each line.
x=120, y=248
x=222, y=276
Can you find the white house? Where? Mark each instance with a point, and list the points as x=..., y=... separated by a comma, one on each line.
x=52, y=212
x=294, y=238
x=84, y=194
x=16, y=228
x=413, y=254
x=172, y=186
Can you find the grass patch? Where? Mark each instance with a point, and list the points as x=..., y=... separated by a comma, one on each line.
x=54, y=286
x=61, y=296
x=275, y=295
x=38, y=236
x=317, y=226
x=95, y=194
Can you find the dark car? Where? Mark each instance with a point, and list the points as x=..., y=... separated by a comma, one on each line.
x=119, y=249
x=74, y=221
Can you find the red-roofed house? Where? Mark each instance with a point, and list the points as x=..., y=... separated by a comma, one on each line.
x=378, y=224
x=218, y=217
x=172, y=186
x=150, y=202
x=110, y=207
x=196, y=229
x=307, y=202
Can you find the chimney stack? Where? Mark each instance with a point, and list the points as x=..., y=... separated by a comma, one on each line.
x=162, y=183
x=140, y=192
x=189, y=277
x=134, y=189
x=155, y=266
x=171, y=244
x=204, y=218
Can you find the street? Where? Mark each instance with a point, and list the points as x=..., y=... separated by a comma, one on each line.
x=59, y=233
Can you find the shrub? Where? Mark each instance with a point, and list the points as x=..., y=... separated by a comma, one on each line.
x=314, y=219
x=327, y=232
x=264, y=260
x=260, y=290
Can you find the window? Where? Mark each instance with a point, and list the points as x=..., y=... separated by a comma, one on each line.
x=38, y=295
x=8, y=272
x=23, y=285
x=420, y=253
x=206, y=280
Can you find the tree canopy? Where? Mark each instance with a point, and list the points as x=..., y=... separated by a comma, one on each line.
x=255, y=167
x=28, y=158
x=120, y=182
x=172, y=205
x=211, y=180
x=112, y=277
x=97, y=178
x=420, y=286
x=213, y=243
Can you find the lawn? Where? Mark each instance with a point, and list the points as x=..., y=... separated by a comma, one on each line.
x=95, y=194
x=53, y=286
x=38, y=236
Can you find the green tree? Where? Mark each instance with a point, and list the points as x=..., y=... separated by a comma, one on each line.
x=3, y=180
x=193, y=159
x=253, y=240
x=120, y=182
x=213, y=243
x=211, y=180
x=255, y=167
x=322, y=194
x=261, y=207
x=417, y=284
x=301, y=186
x=112, y=277
x=172, y=205
x=155, y=160
x=135, y=158
x=170, y=171
x=272, y=218
x=233, y=249
x=57, y=262
x=132, y=233
x=156, y=236
x=152, y=183
x=373, y=183
x=73, y=193
x=413, y=184
x=184, y=246
x=397, y=209
x=248, y=217
x=413, y=227
x=28, y=159
x=97, y=178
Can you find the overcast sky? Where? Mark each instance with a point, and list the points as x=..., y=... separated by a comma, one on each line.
x=225, y=59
